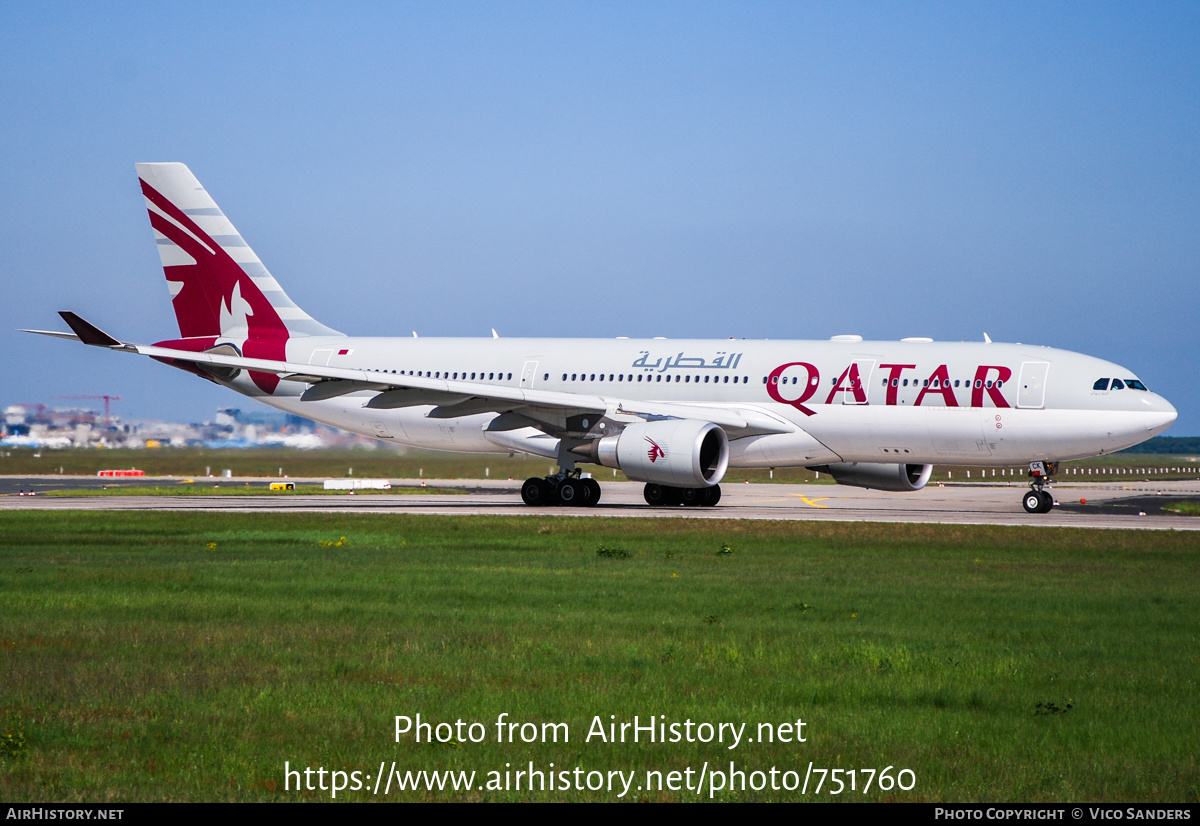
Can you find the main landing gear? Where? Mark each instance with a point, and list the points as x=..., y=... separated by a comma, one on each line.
x=663, y=496
x=1038, y=499
x=568, y=487
x=563, y=488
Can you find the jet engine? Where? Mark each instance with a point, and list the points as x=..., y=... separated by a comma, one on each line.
x=680, y=453
x=878, y=476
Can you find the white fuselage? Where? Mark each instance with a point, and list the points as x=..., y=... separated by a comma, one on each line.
x=849, y=400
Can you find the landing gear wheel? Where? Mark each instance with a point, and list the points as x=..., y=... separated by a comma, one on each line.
x=584, y=491
x=663, y=496
x=536, y=492
x=714, y=495
x=1032, y=502
x=571, y=492
x=694, y=497
x=1047, y=501
x=594, y=487
x=655, y=495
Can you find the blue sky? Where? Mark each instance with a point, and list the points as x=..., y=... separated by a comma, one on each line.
x=790, y=170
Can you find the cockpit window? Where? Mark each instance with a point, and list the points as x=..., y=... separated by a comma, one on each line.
x=1134, y=384
x=1101, y=384
x=1117, y=385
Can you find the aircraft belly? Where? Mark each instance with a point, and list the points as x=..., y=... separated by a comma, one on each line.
x=333, y=412
x=779, y=450
x=874, y=433
x=1061, y=435
x=465, y=434
x=972, y=435
x=959, y=433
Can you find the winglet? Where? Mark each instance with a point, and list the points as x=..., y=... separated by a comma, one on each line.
x=88, y=333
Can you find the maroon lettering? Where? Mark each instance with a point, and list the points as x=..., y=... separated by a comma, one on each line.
x=812, y=378
x=939, y=382
x=982, y=383
x=893, y=380
x=853, y=384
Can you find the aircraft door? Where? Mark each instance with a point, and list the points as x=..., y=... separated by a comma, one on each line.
x=1031, y=391
x=858, y=382
x=527, y=374
x=320, y=357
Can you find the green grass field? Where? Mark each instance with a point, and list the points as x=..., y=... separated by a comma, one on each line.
x=1190, y=508
x=181, y=656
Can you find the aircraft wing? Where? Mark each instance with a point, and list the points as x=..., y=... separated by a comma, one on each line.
x=553, y=411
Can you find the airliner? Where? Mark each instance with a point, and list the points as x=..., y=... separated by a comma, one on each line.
x=674, y=414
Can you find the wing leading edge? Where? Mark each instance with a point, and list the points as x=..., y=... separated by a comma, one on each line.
x=551, y=410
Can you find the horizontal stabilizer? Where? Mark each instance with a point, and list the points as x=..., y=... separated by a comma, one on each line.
x=52, y=333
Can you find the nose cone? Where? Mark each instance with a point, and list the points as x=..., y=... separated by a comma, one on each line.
x=1159, y=414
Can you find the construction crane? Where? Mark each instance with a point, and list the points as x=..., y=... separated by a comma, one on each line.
x=106, y=398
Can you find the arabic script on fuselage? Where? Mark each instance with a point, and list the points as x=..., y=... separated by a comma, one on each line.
x=722, y=361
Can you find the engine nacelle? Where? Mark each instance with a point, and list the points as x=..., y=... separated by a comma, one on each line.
x=680, y=453
x=879, y=476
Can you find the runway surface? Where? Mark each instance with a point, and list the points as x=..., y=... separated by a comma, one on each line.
x=1135, y=505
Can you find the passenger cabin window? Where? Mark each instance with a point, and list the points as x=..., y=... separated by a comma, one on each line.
x=1116, y=385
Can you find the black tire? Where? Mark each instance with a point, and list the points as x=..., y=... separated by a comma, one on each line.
x=714, y=495
x=694, y=497
x=672, y=496
x=1047, y=502
x=594, y=487
x=583, y=493
x=570, y=493
x=1032, y=502
x=655, y=495
x=536, y=493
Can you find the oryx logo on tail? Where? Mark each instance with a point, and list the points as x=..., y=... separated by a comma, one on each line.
x=219, y=287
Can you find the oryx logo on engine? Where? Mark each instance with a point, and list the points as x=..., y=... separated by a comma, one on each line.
x=655, y=452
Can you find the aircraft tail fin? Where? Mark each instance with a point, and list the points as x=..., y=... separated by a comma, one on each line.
x=219, y=287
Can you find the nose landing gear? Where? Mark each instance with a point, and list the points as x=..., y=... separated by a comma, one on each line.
x=1038, y=499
